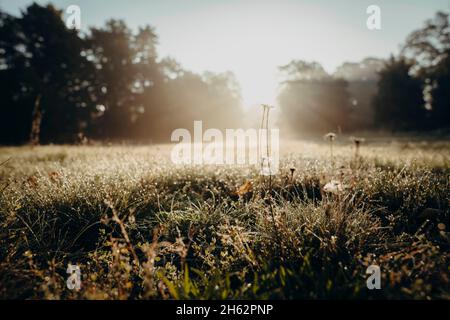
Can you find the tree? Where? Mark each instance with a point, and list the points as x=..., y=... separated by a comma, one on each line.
x=213, y=98
x=399, y=102
x=313, y=101
x=365, y=70
x=42, y=67
x=430, y=47
x=362, y=78
x=440, y=93
x=111, y=52
x=297, y=70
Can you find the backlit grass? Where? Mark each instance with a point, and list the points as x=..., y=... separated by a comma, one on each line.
x=140, y=227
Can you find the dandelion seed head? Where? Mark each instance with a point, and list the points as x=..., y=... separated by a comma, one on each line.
x=331, y=136
x=357, y=140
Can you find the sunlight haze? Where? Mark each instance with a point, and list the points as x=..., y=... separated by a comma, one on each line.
x=253, y=38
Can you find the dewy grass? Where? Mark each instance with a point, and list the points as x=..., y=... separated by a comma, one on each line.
x=141, y=228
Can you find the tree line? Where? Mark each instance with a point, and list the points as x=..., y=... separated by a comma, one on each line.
x=408, y=92
x=60, y=86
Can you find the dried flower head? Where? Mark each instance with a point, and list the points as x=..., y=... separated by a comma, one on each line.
x=357, y=140
x=330, y=136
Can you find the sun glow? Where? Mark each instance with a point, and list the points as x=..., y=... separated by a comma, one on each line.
x=252, y=41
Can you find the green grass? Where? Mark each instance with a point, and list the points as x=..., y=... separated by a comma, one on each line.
x=142, y=228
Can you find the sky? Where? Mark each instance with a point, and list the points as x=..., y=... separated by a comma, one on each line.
x=252, y=38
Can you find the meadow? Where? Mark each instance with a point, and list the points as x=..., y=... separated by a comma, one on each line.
x=140, y=227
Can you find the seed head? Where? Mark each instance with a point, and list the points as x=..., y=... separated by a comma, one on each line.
x=357, y=140
x=330, y=136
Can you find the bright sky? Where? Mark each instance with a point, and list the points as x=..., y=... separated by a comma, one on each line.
x=252, y=38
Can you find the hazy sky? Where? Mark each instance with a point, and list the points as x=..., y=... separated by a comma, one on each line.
x=252, y=38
